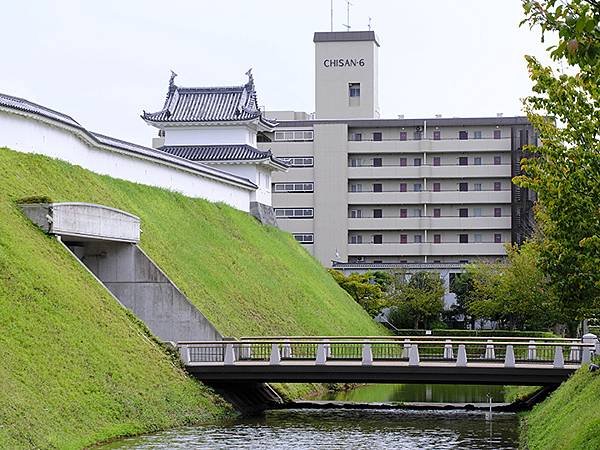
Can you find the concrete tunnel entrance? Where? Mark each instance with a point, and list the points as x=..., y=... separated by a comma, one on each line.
x=105, y=241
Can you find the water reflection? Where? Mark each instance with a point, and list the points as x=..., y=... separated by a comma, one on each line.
x=337, y=429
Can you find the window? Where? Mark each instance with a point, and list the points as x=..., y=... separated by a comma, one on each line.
x=403, y=213
x=417, y=161
x=403, y=239
x=477, y=186
x=377, y=261
x=477, y=212
x=298, y=161
x=305, y=238
x=355, y=162
x=497, y=238
x=477, y=237
x=298, y=135
x=356, y=213
x=377, y=136
x=356, y=187
x=417, y=238
x=356, y=239
x=403, y=162
x=354, y=89
x=402, y=187
x=437, y=212
x=437, y=238
x=497, y=134
x=356, y=137
x=436, y=187
x=403, y=136
x=437, y=135
x=437, y=161
x=463, y=238
x=294, y=187
x=463, y=187
x=417, y=212
x=497, y=160
x=463, y=135
x=294, y=213
x=418, y=135
x=377, y=187
x=463, y=212
x=497, y=212
x=477, y=135
x=477, y=160
x=417, y=187
x=378, y=213
x=497, y=186
x=377, y=162
x=463, y=161
x=378, y=239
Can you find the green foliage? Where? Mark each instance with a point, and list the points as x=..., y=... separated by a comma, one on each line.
x=366, y=289
x=565, y=110
x=569, y=418
x=418, y=301
x=76, y=368
x=514, y=293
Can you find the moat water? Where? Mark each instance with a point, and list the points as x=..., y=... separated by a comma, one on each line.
x=355, y=428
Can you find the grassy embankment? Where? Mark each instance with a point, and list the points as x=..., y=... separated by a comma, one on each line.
x=75, y=368
x=567, y=420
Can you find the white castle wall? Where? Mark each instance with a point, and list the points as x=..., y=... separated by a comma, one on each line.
x=37, y=135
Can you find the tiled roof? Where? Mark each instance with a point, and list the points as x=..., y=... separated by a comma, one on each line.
x=25, y=105
x=216, y=153
x=209, y=104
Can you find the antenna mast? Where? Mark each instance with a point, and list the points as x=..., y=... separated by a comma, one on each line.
x=331, y=15
x=347, y=24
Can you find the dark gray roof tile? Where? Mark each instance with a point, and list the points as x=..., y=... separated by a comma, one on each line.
x=218, y=153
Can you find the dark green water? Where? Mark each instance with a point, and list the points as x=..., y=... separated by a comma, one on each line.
x=356, y=429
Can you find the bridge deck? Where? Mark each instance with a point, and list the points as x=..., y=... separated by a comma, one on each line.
x=435, y=372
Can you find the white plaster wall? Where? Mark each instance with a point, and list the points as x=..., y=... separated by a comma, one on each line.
x=32, y=136
x=210, y=135
x=259, y=175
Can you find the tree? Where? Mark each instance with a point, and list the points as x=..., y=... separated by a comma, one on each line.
x=418, y=300
x=565, y=173
x=366, y=289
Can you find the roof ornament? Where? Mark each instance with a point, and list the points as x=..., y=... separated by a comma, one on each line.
x=248, y=100
x=172, y=86
x=250, y=82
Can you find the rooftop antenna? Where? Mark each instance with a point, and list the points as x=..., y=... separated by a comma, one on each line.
x=332, y=15
x=369, y=24
x=347, y=24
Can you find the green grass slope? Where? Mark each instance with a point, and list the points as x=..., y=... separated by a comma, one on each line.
x=245, y=278
x=569, y=419
x=75, y=368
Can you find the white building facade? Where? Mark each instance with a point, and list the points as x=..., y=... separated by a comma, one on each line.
x=368, y=193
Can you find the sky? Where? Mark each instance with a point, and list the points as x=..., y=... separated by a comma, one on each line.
x=103, y=62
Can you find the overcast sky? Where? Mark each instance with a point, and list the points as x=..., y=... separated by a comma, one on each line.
x=102, y=62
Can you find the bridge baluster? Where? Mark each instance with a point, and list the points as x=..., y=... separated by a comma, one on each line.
x=461, y=360
x=509, y=359
x=448, y=351
x=367, y=354
x=532, y=351
x=413, y=355
x=275, y=354
x=321, y=354
x=406, y=348
x=246, y=351
x=490, y=352
x=591, y=339
x=184, y=351
x=229, y=355
x=559, y=359
x=287, y=350
x=574, y=353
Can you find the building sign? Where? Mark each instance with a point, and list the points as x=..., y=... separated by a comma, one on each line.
x=342, y=62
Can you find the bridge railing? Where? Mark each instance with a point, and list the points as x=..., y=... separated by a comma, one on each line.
x=413, y=350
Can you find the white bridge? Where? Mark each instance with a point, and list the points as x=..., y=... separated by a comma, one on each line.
x=416, y=359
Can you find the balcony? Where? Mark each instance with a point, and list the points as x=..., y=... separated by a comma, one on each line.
x=428, y=171
x=430, y=223
x=429, y=249
x=429, y=145
x=442, y=197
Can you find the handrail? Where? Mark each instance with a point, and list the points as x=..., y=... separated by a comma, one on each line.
x=426, y=336
x=361, y=342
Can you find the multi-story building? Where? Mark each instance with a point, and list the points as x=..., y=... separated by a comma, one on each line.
x=364, y=192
